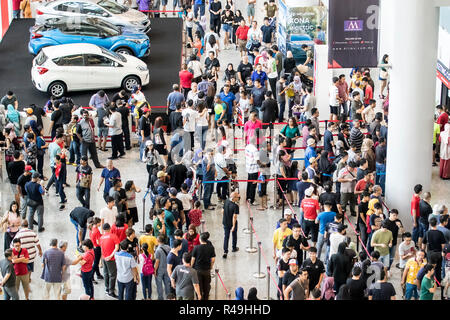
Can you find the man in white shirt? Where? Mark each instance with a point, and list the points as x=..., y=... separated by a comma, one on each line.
x=254, y=30
x=189, y=116
x=252, y=167
x=115, y=131
x=108, y=214
x=336, y=238
x=222, y=173
x=334, y=99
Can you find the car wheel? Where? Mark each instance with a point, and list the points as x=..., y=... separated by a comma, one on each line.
x=129, y=82
x=125, y=51
x=57, y=89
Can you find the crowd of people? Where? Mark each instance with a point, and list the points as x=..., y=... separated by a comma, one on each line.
x=189, y=155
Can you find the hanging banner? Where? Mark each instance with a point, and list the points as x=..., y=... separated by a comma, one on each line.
x=310, y=22
x=353, y=33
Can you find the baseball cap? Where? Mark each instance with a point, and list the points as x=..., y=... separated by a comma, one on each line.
x=149, y=143
x=161, y=174
x=293, y=262
x=288, y=212
x=309, y=191
x=310, y=142
x=173, y=191
x=28, y=168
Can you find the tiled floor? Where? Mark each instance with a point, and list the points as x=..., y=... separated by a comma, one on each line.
x=236, y=270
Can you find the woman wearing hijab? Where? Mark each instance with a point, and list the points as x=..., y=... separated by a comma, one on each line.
x=13, y=116
x=192, y=237
x=444, y=164
x=252, y=294
x=239, y=293
x=368, y=153
x=344, y=293
x=327, y=289
x=326, y=168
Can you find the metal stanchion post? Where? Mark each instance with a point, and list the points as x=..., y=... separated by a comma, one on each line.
x=357, y=241
x=234, y=139
x=250, y=248
x=249, y=227
x=229, y=296
x=275, y=193
x=216, y=271
x=143, y=215
x=282, y=207
x=259, y=274
x=268, y=282
x=203, y=225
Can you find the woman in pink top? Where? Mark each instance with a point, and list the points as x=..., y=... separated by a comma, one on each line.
x=10, y=223
x=250, y=126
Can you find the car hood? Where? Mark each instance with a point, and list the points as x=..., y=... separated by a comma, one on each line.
x=133, y=15
x=133, y=61
x=131, y=32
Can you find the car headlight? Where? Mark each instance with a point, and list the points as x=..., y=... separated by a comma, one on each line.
x=142, y=68
x=138, y=41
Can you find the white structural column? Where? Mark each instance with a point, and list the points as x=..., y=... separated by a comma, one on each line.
x=412, y=94
x=386, y=36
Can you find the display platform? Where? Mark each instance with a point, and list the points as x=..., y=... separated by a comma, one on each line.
x=163, y=62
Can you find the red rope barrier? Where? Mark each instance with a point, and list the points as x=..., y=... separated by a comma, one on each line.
x=262, y=252
x=359, y=238
x=223, y=285
x=284, y=195
x=160, y=11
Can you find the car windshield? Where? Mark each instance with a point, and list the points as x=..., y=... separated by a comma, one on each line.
x=104, y=25
x=112, y=7
x=114, y=55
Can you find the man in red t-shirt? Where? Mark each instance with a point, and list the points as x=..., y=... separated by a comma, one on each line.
x=418, y=232
x=110, y=245
x=442, y=120
x=241, y=35
x=361, y=184
x=310, y=208
x=20, y=260
x=368, y=91
x=185, y=79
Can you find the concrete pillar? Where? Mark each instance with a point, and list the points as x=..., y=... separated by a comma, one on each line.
x=386, y=19
x=412, y=95
x=322, y=77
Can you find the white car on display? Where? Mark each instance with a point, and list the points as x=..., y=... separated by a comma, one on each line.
x=82, y=66
x=108, y=10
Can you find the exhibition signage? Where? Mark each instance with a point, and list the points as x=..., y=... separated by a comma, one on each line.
x=353, y=33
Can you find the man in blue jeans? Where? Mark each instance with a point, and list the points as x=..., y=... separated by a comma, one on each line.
x=208, y=175
x=380, y=158
x=160, y=266
x=127, y=273
x=229, y=221
x=199, y=4
x=323, y=219
x=79, y=217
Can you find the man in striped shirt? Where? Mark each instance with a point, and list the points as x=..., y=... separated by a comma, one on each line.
x=252, y=166
x=30, y=241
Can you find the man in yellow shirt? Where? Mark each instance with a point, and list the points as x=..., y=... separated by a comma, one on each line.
x=412, y=267
x=436, y=133
x=149, y=239
x=279, y=235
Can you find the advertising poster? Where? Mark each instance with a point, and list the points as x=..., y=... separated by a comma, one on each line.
x=353, y=33
x=303, y=21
